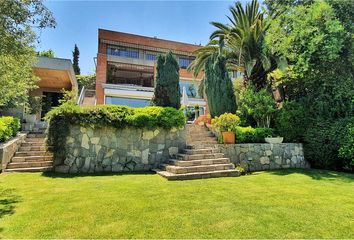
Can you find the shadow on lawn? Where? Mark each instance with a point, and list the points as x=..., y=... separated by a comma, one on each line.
x=8, y=201
x=317, y=174
x=75, y=175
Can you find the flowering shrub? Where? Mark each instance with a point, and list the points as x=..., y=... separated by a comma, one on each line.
x=226, y=122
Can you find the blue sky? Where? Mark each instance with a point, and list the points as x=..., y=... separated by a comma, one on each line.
x=78, y=22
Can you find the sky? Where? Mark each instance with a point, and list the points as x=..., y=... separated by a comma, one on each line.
x=78, y=23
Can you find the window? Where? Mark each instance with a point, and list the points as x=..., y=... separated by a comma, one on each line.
x=184, y=62
x=191, y=89
x=131, y=102
x=150, y=56
x=123, y=52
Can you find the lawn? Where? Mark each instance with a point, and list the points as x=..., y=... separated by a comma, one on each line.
x=279, y=204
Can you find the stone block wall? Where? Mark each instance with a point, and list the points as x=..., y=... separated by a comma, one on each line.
x=109, y=149
x=9, y=148
x=264, y=156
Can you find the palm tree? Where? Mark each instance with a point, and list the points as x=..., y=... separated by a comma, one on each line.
x=242, y=42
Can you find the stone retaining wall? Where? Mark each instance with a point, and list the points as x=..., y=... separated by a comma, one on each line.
x=119, y=150
x=9, y=148
x=264, y=156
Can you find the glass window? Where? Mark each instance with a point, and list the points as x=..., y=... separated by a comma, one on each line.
x=191, y=89
x=131, y=102
x=184, y=62
x=123, y=52
x=150, y=56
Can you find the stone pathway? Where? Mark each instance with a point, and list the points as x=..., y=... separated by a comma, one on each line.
x=198, y=159
x=32, y=155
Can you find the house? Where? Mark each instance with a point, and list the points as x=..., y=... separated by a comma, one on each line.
x=55, y=75
x=125, y=71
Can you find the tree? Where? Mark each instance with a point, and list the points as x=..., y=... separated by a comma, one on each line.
x=76, y=55
x=167, y=90
x=17, y=55
x=49, y=53
x=87, y=81
x=242, y=43
x=218, y=86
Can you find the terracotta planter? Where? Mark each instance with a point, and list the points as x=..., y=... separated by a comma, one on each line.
x=229, y=137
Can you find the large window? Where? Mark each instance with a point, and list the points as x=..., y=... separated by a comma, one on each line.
x=150, y=56
x=131, y=102
x=184, y=62
x=123, y=52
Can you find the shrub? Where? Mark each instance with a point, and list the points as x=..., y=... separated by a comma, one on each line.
x=324, y=141
x=203, y=119
x=252, y=135
x=9, y=127
x=106, y=115
x=346, y=149
x=259, y=106
x=291, y=122
x=226, y=122
x=241, y=170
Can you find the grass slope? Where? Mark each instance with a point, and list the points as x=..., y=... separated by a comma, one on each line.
x=280, y=204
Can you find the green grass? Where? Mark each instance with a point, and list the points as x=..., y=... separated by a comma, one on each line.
x=279, y=204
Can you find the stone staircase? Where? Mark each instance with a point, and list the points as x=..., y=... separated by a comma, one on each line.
x=32, y=156
x=199, y=159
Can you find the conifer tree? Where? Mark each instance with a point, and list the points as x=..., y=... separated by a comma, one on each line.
x=167, y=90
x=218, y=86
x=76, y=54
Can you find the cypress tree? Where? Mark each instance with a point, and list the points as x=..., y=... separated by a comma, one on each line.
x=167, y=91
x=218, y=87
x=76, y=54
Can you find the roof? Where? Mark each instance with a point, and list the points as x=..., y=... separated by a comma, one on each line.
x=55, y=69
x=146, y=41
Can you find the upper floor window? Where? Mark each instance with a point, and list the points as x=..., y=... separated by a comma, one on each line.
x=123, y=52
x=150, y=56
x=184, y=62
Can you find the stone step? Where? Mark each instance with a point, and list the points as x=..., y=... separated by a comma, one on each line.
x=33, y=144
x=32, y=153
x=184, y=163
x=200, y=145
x=33, y=169
x=32, y=140
x=199, y=156
x=200, y=168
x=198, y=175
x=14, y=165
x=200, y=151
x=36, y=135
x=32, y=148
x=32, y=158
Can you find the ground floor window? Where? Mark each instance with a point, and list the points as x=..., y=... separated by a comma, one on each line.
x=131, y=102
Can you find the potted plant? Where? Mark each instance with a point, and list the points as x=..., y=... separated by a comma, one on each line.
x=226, y=124
x=34, y=107
x=196, y=110
x=273, y=140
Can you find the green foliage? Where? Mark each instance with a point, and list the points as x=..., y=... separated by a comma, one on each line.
x=49, y=53
x=218, y=87
x=226, y=122
x=324, y=140
x=288, y=121
x=16, y=78
x=241, y=170
x=252, y=135
x=87, y=81
x=76, y=55
x=9, y=126
x=60, y=118
x=167, y=90
x=17, y=56
x=257, y=105
x=69, y=96
x=346, y=149
x=34, y=105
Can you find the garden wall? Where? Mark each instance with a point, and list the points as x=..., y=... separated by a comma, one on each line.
x=9, y=148
x=265, y=156
x=108, y=149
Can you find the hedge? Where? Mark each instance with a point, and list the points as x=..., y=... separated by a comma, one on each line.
x=9, y=127
x=106, y=115
x=252, y=135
